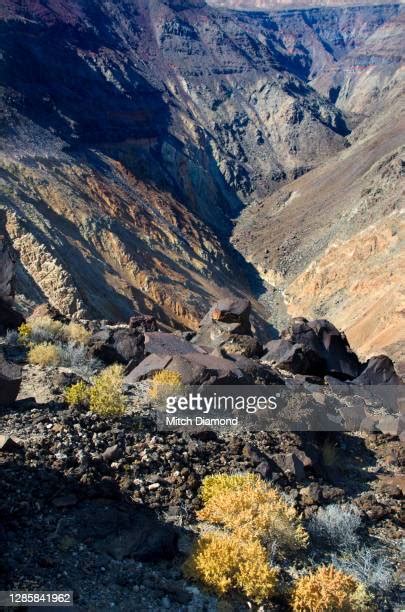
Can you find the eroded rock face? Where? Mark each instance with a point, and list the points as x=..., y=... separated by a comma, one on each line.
x=9, y=317
x=159, y=136
x=7, y=264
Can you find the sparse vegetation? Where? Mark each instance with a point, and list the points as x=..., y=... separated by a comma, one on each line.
x=336, y=525
x=254, y=518
x=328, y=589
x=45, y=329
x=24, y=333
x=44, y=354
x=370, y=566
x=78, y=394
x=75, y=356
x=106, y=396
x=77, y=333
x=247, y=503
x=164, y=384
x=225, y=561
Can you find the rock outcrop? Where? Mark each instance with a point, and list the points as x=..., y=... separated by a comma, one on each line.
x=9, y=317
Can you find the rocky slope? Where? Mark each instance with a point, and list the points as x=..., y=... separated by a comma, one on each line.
x=137, y=130
x=141, y=130
x=269, y=5
x=105, y=504
x=336, y=245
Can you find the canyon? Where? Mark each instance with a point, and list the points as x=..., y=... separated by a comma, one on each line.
x=158, y=155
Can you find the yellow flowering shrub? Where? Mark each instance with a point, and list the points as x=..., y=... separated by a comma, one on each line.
x=329, y=590
x=75, y=332
x=246, y=503
x=165, y=383
x=24, y=333
x=224, y=562
x=78, y=394
x=106, y=397
x=44, y=354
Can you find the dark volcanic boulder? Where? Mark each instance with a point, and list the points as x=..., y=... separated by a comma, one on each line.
x=378, y=371
x=149, y=366
x=117, y=345
x=227, y=319
x=194, y=369
x=332, y=346
x=314, y=347
x=295, y=358
x=9, y=317
x=143, y=323
x=161, y=343
x=256, y=373
x=10, y=381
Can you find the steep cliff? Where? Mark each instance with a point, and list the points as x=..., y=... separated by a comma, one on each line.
x=133, y=133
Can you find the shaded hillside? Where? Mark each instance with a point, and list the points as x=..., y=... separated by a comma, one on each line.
x=333, y=239
x=132, y=135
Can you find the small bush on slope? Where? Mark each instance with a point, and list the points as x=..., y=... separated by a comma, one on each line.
x=78, y=394
x=75, y=356
x=228, y=561
x=337, y=525
x=77, y=333
x=45, y=329
x=254, y=517
x=164, y=384
x=106, y=397
x=367, y=565
x=44, y=354
x=329, y=590
x=247, y=503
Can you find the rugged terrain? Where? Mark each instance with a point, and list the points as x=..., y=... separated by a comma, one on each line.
x=106, y=504
x=135, y=133
x=332, y=240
